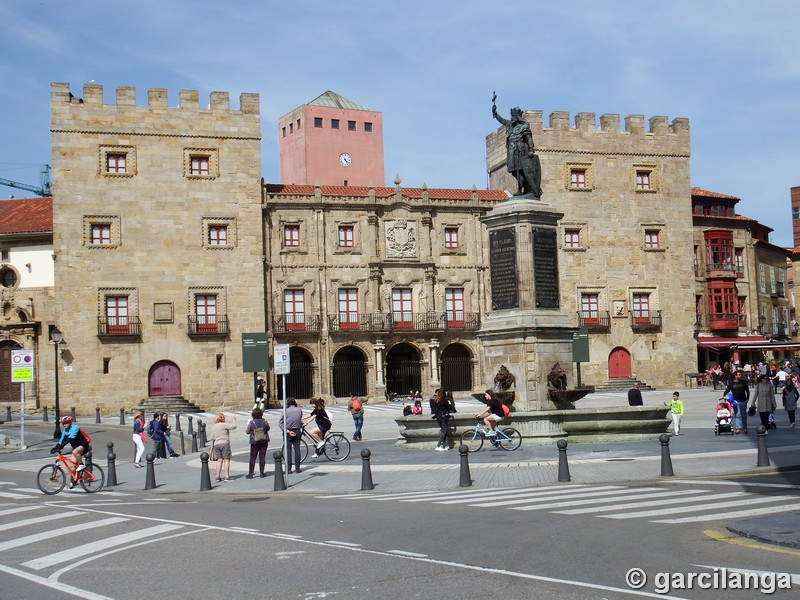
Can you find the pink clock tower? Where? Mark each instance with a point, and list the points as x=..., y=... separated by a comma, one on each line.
x=331, y=141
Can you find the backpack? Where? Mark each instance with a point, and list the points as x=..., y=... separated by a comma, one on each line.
x=259, y=434
x=356, y=404
x=150, y=429
x=506, y=410
x=406, y=410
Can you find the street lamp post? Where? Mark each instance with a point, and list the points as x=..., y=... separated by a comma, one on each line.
x=58, y=346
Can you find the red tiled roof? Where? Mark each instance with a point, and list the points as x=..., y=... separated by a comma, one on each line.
x=26, y=215
x=384, y=192
x=696, y=191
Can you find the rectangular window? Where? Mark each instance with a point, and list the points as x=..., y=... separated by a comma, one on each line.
x=772, y=287
x=402, y=314
x=291, y=127
x=590, y=312
x=346, y=236
x=454, y=306
x=741, y=304
x=205, y=306
x=116, y=163
x=351, y=126
x=298, y=124
x=317, y=121
x=572, y=238
x=217, y=235
x=4, y=255
x=334, y=123
x=101, y=233
x=451, y=238
x=117, y=314
x=643, y=181
x=651, y=239
x=762, y=279
x=294, y=310
x=199, y=166
x=368, y=127
x=739, y=262
x=578, y=178
x=291, y=236
x=283, y=131
x=641, y=308
x=348, y=308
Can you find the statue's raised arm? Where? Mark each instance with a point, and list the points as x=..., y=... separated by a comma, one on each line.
x=494, y=111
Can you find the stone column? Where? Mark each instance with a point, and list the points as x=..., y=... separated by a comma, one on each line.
x=433, y=345
x=379, y=347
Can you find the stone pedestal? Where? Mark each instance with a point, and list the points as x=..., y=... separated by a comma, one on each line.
x=526, y=330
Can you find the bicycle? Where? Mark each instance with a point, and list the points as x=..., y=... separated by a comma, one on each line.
x=51, y=479
x=506, y=438
x=336, y=448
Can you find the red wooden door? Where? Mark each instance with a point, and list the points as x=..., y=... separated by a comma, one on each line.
x=9, y=392
x=619, y=364
x=165, y=379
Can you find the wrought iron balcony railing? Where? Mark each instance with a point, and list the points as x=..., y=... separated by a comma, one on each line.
x=119, y=327
x=599, y=320
x=296, y=324
x=648, y=322
x=429, y=321
x=200, y=326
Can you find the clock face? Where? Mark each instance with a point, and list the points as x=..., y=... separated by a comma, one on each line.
x=344, y=159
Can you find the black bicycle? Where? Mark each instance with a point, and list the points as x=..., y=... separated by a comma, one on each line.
x=336, y=448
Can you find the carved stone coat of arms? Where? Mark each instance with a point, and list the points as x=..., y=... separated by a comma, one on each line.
x=401, y=239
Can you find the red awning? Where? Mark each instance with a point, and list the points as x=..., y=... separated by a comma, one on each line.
x=743, y=341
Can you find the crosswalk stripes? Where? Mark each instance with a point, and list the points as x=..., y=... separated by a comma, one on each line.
x=656, y=504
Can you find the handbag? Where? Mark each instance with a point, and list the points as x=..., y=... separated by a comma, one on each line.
x=751, y=411
x=212, y=454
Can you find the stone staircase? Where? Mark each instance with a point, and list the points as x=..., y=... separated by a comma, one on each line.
x=168, y=404
x=621, y=385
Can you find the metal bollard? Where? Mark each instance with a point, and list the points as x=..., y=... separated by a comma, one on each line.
x=183, y=445
x=112, y=465
x=205, y=474
x=280, y=480
x=563, y=465
x=465, y=479
x=194, y=442
x=202, y=428
x=763, y=454
x=178, y=422
x=191, y=430
x=8, y=414
x=122, y=416
x=74, y=418
x=366, y=472
x=44, y=414
x=666, y=460
x=97, y=414
x=150, y=479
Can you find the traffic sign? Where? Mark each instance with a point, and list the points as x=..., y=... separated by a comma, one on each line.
x=21, y=366
x=281, y=359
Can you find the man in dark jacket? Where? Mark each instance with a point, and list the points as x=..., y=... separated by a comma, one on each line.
x=157, y=435
x=634, y=395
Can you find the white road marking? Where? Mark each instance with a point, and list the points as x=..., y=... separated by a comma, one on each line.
x=18, y=509
x=661, y=500
x=35, y=520
x=61, y=587
x=730, y=515
x=723, y=507
x=46, y=535
x=93, y=547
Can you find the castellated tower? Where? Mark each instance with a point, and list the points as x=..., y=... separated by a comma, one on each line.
x=157, y=246
x=625, y=241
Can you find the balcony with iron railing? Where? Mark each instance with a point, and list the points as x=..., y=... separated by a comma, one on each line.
x=296, y=323
x=400, y=321
x=595, y=320
x=110, y=328
x=205, y=326
x=646, y=322
x=778, y=291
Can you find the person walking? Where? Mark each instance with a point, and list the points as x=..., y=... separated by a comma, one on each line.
x=440, y=408
x=676, y=409
x=292, y=428
x=166, y=429
x=790, y=395
x=257, y=430
x=762, y=400
x=356, y=409
x=221, y=440
x=260, y=391
x=154, y=429
x=741, y=394
x=139, y=438
x=635, y=395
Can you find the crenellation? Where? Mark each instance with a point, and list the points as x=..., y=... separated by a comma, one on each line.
x=126, y=96
x=634, y=124
x=93, y=94
x=157, y=98
x=584, y=121
x=659, y=125
x=680, y=125
x=559, y=121
x=220, y=101
x=609, y=123
x=189, y=100
x=248, y=103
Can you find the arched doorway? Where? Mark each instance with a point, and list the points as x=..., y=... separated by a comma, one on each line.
x=403, y=369
x=349, y=373
x=164, y=379
x=456, y=368
x=9, y=392
x=619, y=364
x=300, y=380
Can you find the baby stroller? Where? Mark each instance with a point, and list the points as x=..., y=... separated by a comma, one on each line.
x=723, y=423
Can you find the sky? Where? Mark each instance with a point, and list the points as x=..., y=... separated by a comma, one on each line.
x=732, y=67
